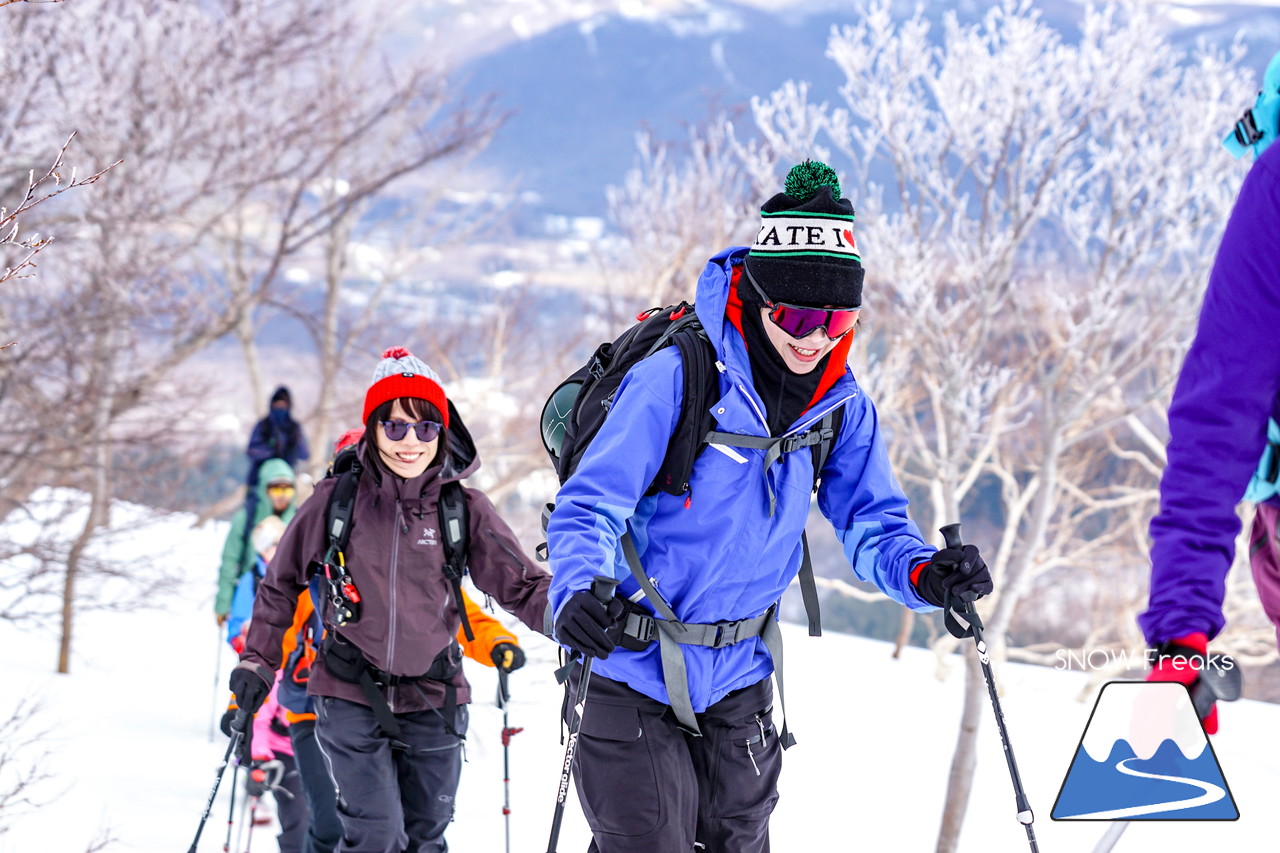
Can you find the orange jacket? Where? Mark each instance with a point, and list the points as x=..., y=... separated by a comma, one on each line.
x=489, y=632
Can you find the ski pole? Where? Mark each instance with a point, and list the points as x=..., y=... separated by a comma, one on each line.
x=602, y=588
x=236, y=734
x=504, y=695
x=244, y=810
x=951, y=537
x=1111, y=836
x=253, y=819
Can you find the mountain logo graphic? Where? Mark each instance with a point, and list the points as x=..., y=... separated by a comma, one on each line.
x=1144, y=756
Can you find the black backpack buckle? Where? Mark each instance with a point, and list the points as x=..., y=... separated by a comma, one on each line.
x=807, y=439
x=1246, y=129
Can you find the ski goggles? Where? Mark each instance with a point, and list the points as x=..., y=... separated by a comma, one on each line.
x=280, y=489
x=799, y=321
x=397, y=430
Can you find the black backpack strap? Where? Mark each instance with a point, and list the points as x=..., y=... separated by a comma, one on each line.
x=342, y=500
x=809, y=590
x=455, y=531
x=342, y=503
x=701, y=385
x=828, y=430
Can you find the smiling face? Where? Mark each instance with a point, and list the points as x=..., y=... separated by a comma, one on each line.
x=800, y=355
x=407, y=457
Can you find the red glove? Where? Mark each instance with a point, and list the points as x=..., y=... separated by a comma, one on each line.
x=1181, y=659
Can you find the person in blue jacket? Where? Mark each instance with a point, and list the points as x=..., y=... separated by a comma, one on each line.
x=1227, y=389
x=678, y=748
x=277, y=436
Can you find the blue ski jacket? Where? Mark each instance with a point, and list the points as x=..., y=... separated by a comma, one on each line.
x=1229, y=384
x=716, y=553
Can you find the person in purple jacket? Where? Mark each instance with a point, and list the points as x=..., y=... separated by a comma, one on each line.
x=1228, y=387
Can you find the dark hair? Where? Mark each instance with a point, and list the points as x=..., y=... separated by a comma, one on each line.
x=416, y=408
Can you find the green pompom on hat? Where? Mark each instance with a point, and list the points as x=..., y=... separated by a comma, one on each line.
x=805, y=179
x=805, y=252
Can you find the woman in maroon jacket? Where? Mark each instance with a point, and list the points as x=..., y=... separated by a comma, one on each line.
x=391, y=695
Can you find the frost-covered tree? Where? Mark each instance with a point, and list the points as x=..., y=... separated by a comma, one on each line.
x=677, y=207
x=228, y=115
x=1037, y=218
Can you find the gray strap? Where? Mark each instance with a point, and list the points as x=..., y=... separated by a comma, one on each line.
x=674, y=673
x=732, y=439
x=773, y=448
x=637, y=571
x=772, y=636
x=673, y=633
x=676, y=677
x=809, y=590
x=712, y=635
x=827, y=434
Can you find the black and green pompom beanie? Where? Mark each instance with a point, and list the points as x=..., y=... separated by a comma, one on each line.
x=804, y=252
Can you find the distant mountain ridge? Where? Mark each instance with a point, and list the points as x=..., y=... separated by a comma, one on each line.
x=581, y=90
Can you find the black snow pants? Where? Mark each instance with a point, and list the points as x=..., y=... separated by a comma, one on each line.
x=391, y=801
x=646, y=785
x=291, y=811
x=323, y=829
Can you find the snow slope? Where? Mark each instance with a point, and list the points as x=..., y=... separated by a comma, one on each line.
x=130, y=749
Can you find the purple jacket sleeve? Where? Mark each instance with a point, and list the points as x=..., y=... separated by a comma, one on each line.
x=1218, y=418
x=500, y=568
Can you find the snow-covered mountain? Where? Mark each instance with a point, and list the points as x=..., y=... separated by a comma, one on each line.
x=581, y=77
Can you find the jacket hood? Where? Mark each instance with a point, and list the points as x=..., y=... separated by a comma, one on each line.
x=461, y=458
x=712, y=301
x=274, y=469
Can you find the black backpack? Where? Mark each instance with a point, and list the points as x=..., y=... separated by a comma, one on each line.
x=578, y=406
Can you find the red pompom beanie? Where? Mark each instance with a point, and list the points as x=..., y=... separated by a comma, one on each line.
x=402, y=374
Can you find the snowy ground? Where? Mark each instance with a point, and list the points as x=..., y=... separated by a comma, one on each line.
x=130, y=751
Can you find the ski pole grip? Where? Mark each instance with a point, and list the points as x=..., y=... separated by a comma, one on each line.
x=241, y=722
x=602, y=587
x=951, y=536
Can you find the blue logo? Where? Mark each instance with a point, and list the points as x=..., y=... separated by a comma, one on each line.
x=1144, y=756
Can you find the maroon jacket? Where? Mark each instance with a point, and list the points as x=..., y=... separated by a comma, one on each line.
x=396, y=559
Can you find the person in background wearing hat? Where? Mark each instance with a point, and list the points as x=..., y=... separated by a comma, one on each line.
x=274, y=495
x=781, y=316
x=277, y=436
x=389, y=687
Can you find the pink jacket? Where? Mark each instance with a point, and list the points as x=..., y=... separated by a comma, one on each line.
x=267, y=743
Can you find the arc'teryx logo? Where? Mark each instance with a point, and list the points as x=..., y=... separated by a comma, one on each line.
x=428, y=536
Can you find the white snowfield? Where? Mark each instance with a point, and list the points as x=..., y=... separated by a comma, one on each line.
x=869, y=771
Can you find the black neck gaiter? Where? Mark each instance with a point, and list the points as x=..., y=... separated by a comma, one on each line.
x=786, y=395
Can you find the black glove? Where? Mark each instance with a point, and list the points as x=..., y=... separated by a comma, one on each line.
x=507, y=656
x=954, y=576
x=227, y=717
x=586, y=625
x=251, y=683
